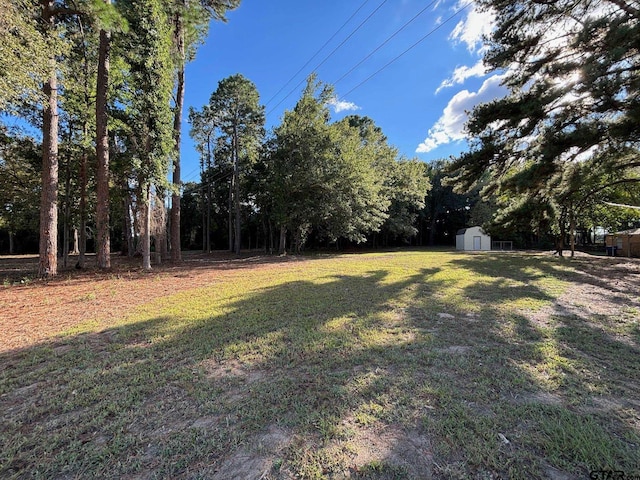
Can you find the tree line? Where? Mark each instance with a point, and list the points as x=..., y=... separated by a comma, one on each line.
x=307, y=179
x=105, y=85
x=566, y=138
x=545, y=164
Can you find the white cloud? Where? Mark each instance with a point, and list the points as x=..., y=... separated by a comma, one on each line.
x=437, y=4
x=476, y=25
x=341, y=105
x=460, y=74
x=450, y=126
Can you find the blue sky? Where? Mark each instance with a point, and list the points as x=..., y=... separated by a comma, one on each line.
x=419, y=100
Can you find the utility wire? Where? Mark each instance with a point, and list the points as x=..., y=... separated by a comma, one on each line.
x=386, y=41
x=190, y=174
x=431, y=32
x=215, y=178
x=316, y=54
x=330, y=55
x=408, y=49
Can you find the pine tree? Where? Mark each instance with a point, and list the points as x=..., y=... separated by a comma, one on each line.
x=145, y=95
x=572, y=68
x=235, y=106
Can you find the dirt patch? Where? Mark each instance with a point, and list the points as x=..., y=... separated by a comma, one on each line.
x=37, y=310
x=231, y=369
x=393, y=446
x=555, y=474
x=454, y=349
x=256, y=461
x=603, y=287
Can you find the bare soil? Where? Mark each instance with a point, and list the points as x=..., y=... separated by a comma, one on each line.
x=33, y=310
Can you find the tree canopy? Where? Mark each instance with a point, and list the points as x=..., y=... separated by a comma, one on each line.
x=571, y=116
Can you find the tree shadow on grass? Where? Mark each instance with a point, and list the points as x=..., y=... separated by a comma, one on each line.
x=360, y=374
x=563, y=381
x=133, y=399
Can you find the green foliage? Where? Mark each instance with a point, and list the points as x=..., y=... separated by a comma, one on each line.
x=568, y=128
x=338, y=180
x=408, y=187
x=229, y=131
x=195, y=16
x=445, y=211
x=355, y=203
x=235, y=110
x=146, y=91
x=24, y=54
x=20, y=166
x=298, y=165
x=106, y=16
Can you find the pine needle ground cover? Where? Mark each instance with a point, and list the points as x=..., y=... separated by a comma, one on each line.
x=408, y=364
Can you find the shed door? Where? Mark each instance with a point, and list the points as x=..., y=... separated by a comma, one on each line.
x=477, y=243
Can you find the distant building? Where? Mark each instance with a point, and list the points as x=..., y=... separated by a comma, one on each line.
x=472, y=239
x=624, y=244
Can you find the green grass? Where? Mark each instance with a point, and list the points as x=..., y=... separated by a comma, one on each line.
x=333, y=353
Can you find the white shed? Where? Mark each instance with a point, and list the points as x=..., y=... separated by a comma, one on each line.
x=472, y=238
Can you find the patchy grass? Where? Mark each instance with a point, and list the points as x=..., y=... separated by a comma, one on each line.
x=411, y=364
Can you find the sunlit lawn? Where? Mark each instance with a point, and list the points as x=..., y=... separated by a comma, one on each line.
x=332, y=368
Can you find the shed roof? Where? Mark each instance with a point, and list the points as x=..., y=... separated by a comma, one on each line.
x=462, y=231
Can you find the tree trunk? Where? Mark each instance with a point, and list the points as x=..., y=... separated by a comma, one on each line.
x=282, y=246
x=208, y=218
x=48, y=260
x=67, y=214
x=176, y=252
x=124, y=251
x=209, y=202
x=82, y=250
x=12, y=247
x=230, y=208
x=572, y=232
x=204, y=219
x=103, y=242
x=160, y=225
x=236, y=188
x=146, y=227
x=563, y=233
x=76, y=242
x=128, y=244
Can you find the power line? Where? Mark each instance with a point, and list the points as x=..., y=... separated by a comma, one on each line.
x=215, y=178
x=316, y=54
x=331, y=54
x=431, y=32
x=408, y=49
x=192, y=172
x=386, y=41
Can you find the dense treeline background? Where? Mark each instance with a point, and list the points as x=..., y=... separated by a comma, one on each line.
x=104, y=84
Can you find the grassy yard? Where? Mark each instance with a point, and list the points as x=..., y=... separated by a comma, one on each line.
x=410, y=364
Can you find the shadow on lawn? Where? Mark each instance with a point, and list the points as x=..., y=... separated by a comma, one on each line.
x=573, y=373
x=603, y=348
x=361, y=374
x=15, y=268
x=133, y=399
